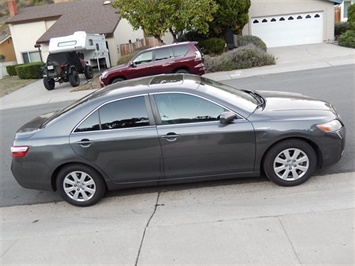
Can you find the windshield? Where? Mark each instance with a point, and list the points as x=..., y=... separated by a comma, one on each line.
x=229, y=94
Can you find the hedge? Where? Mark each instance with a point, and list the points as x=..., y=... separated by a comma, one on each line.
x=30, y=70
x=11, y=70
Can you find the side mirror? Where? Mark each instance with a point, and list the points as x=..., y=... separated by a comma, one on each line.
x=227, y=117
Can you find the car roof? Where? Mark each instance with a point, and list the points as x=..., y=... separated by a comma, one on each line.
x=164, y=82
x=169, y=45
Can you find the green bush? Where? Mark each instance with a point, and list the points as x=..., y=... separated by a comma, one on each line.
x=250, y=39
x=351, y=17
x=340, y=28
x=347, y=39
x=192, y=36
x=11, y=70
x=30, y=70
x=240, y=58
x=212, y=46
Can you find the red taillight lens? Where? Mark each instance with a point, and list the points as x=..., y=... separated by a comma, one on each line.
x=19, y=151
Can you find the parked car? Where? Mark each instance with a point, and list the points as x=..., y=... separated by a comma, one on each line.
x=63, y=67
x=172, y=129
x=182, y=57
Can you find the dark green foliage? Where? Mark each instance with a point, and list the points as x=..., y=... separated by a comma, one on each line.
x=351, y=17
x=212, y=46
x=347, y=39
x=340, y=28
x=30, y=71
x=11, y=70
x=249, y=39
x=231, y=15
x=240, y=58
x=192, y=36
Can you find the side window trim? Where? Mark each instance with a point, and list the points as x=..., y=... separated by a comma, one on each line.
x=156, y=110
x=148, y=106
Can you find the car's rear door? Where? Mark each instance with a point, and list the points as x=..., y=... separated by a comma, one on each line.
x=119, y=139
x=195, y=144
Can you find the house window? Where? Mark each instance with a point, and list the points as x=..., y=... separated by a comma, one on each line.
x=346, y=6
x=29, y=57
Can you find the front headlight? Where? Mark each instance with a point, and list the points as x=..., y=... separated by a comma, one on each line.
x=103, y=75
x=331, y=126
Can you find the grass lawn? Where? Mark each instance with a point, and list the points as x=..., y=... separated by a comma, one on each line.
x=9, y=84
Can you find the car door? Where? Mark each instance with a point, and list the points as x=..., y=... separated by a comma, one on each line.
x=195, y=144
x=142, y=65
x=120, y=140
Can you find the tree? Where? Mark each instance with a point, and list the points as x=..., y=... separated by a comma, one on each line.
x=351, y=17
x=156, y=17
x=231, y=15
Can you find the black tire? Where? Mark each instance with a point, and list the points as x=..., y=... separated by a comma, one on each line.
x=290, y=162
x=117, y=80
x=49, y=84
x=74, y=79
x=80, y=185
x=182, y=71
x=89, y=74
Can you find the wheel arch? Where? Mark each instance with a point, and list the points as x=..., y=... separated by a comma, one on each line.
x=308, y=141
x=182, y=68
x=117, y=77
x=60, y=167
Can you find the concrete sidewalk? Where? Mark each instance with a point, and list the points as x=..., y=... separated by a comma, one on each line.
x=292, y=58
x=234, y=223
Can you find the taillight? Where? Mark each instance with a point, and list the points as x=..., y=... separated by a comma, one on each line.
x=19, y=151
x=198, y=56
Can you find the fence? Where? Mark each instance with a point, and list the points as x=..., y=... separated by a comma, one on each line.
x=127, y=48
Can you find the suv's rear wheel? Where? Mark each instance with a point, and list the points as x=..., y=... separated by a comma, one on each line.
x=89, y=74
x=49, y=84
x=182, y=71
x=74, y=78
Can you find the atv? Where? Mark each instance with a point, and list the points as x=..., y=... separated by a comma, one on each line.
x=63, y=67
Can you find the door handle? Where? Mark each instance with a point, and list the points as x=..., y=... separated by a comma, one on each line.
x=85, y=143
x=170, y=136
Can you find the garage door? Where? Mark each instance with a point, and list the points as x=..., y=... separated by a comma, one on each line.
x=295, y=29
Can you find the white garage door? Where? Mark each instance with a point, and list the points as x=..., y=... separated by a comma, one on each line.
x=295, y=29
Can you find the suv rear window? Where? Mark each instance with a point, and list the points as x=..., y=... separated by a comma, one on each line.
x=180, y=50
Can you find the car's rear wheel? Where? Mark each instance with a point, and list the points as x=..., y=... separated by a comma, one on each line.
x=89, y=74
x=49, y=84
x=290, y=162
x=80, y=185
x=74, y=79
x=183, y=71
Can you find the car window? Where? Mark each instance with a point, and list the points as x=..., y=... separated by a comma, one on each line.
x=162, y=54
x=180, y=50
x=177, y=108
x=143, y=58
x=125, y=113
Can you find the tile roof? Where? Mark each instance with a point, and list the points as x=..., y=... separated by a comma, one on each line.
x=91, y=16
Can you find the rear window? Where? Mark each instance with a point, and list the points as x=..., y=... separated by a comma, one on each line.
x=180, y=50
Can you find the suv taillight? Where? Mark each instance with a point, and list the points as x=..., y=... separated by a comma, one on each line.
x=19, y=151
x=198, y=56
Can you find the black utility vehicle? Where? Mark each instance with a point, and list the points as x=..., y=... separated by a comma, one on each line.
x=64, y=67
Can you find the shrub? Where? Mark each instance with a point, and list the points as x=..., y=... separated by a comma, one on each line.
x=340, y=28
x=2, y=58
x=240, y=58
x=11, y=70
x=351, y=17
x=250, y=39
x=347, y=39
x=192, y=36
x=30, y=71
x=212, y=46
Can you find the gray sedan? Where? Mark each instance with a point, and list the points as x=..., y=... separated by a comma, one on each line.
x=174, y=129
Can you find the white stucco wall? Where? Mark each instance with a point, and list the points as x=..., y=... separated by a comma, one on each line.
x=26, y=35
x=261, y=8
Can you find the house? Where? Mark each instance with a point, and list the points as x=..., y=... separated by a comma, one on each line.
x=7, y=48
x=344, y=9
x=291, y=22
x=32, y=28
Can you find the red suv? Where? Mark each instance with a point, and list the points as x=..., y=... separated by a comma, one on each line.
x=184, y=57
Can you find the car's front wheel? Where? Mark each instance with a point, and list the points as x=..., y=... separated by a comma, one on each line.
x=49, y=84
x=74, y=79
x=290, y=162
x=80, y=185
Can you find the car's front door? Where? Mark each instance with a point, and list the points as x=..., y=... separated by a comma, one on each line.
x=120, y=140
x=194, y=142
x=142, y=65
